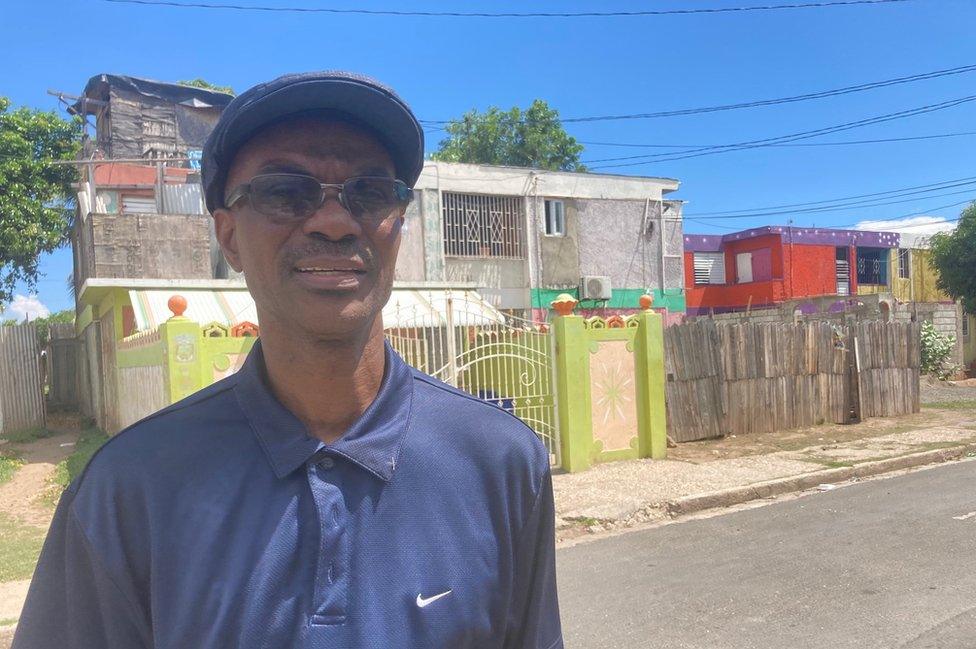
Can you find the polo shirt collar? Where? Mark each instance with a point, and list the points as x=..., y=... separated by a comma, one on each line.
x=372, y=442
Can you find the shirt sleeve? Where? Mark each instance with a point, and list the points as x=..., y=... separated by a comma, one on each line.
x=73, y=602
x=534, y=618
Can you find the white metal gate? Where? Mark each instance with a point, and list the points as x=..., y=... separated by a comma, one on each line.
x=458, y=338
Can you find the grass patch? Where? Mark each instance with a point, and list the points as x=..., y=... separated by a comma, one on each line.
x=20, y=545
x=829, y=464
x=8, y=621
x=8, y=466
x=71, y=467
x=952, y=405
x=29, y=435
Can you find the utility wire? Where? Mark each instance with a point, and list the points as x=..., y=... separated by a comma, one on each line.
x=840, y=143
x=839, y=207
x=943, y=184
x=851, y=225
x=752, y=144
x=871, y=85
x=479, y=14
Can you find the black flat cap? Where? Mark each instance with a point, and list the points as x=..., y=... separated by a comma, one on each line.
x=363, y=100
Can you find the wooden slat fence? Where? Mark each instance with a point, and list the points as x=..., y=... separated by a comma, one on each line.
x=889, y=359
x=761, y=377
x=21, y=393
x=64, y=354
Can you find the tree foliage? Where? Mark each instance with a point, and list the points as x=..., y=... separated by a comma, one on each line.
x=954, y=257
x=206, y=85
x=35, y=195
x=531, y=138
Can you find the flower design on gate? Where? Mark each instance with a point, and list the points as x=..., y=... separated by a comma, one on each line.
x=611, y=388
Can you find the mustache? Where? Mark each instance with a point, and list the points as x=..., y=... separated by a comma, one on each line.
x=347, y=248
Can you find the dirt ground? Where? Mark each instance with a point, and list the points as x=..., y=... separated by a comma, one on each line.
x=25, y=498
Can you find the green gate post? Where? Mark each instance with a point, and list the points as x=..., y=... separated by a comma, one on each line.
x=651, y=414
x=572, y=366
x=182, y=339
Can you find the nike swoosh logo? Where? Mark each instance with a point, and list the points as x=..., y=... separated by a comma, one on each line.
x=423, y=603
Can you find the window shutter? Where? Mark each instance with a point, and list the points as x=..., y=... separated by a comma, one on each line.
x=709, y=267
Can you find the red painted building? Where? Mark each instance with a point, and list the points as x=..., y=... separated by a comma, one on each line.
x=768, y=265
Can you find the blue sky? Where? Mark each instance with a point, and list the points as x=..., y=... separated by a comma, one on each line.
x=582, y=67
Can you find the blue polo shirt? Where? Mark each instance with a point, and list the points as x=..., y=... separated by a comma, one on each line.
x=219, y=522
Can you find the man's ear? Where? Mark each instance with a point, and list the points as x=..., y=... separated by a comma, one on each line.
x=225, y=226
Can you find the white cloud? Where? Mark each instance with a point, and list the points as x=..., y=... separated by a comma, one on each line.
x=915, y=230
x=26, y=307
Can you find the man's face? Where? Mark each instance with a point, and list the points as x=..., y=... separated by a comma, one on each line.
x=330, y=274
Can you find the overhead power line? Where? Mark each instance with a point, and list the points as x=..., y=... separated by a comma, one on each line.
x=802, y=135
x=795, y=144
x=484, y=14
x=936, y=186
x=839, y=207
x=851, y=225
x=861, y=87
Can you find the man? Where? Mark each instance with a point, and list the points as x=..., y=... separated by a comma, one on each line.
x=327, y=495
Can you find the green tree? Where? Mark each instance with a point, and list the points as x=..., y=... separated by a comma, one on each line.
x=44, y=324
x=954, y=257
x=531, y=138
x=206, y=85
x=36, y=197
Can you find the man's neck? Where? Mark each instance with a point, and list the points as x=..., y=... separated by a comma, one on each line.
x=327, y=384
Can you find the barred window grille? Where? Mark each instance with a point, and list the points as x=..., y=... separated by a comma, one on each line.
x=905, y=263
x=477, y=225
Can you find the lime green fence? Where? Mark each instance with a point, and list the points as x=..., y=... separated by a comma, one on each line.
x=609, y=386
x=157, y=368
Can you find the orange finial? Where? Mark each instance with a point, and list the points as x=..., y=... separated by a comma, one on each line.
x=564, y=304
x=177, y=304
x=646, y=301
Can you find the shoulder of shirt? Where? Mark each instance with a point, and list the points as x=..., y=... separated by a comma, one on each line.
x=184, y=406
x=503, y=420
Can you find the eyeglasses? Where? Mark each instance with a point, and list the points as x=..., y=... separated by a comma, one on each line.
x=289, y=198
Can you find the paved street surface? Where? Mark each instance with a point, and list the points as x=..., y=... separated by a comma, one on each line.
x=885, y=563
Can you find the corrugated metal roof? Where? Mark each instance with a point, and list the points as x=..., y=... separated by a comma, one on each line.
x=406, y=307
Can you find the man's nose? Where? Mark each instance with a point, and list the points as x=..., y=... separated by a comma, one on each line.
x=332, y=220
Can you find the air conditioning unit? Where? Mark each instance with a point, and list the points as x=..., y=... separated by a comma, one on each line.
x=594, y=287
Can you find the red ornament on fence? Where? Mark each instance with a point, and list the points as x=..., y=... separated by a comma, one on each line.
x=177, y=305
x=244, y=329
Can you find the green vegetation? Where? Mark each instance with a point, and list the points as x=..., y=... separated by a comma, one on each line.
x=8, y=466
x=20, y=545
x=206, y=85
x=953, y=256
x=953, y=405
x=936, y=350
x=35, y=196
x=29, y=435
x=531, y=138
x=7, y=621
x=71, y=467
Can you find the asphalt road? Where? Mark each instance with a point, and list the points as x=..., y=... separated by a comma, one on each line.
x=882, y=563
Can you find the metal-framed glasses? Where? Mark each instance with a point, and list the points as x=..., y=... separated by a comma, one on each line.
x=290, y=198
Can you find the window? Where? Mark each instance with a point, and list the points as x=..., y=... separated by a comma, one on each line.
x=905, y=263
x=709, y=267
x=843, y=271
x=743, y=267
x=555, y=219
x=477, y=225
x=872, y=266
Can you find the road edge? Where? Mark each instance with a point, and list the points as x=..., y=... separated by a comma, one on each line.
x=770, y=488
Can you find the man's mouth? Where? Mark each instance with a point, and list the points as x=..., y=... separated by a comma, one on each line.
x=345, y=275
x=330, y=269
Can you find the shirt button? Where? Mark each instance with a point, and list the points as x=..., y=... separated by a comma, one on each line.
x=327, y=463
